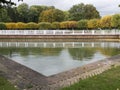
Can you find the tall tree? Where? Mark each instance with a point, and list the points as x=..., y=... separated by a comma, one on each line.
x=33, y=14
x=37, y=10
x=52, y=15
x=116, y=21
x=23, y=10
x=13, y=14
x=81, y=11
x=90, y=12
x=106, y=22
x=76, y=12
x=67, y=16
x=4, y=15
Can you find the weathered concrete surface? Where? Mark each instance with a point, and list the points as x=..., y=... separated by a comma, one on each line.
x=22, y=76
x=27, y=79
x=60, y=36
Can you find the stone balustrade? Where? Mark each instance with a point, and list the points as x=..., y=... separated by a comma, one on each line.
x=59, y=32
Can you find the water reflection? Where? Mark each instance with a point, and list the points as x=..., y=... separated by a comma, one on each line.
x=80, y=53
x=60, y=44
x=10, y=51
x=51, y=58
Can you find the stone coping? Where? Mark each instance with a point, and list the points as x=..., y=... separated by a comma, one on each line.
x=25, y=78
x=58, y=40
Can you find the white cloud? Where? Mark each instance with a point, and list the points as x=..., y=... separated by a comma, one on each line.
x=105, y=7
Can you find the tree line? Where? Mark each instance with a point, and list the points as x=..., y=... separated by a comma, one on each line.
x=36, y=13
x=106, y=22
x=80, y=16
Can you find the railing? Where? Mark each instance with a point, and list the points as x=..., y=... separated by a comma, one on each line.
x=59, y=32
x=60, y=44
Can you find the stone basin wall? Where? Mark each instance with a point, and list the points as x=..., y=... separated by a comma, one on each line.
x=60, y=36
x=27, y=79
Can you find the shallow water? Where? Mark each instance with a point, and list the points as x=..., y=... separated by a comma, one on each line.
x=49, y=58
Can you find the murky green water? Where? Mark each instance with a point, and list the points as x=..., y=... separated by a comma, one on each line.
x=50, y=58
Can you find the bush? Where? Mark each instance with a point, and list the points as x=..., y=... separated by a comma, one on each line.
x=72, y=24
x=44, y=25
x=94, y=24
x=10, y=25
x=82, y=24
x=31, y=25
x=55, y=25
x=2, y=25
x=20, y=25
x=68, y=25
x=64, y=25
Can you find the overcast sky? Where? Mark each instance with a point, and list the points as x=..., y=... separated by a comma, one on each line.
x=105, y=7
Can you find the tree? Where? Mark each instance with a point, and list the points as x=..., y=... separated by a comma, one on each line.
x=13, y=14
x=76, y=12
x=59, y=15
x=23, y=10
x=4, y=15
x=81, y=11
x=36, y=10
x=67, y=16
x=90, y=12
x=116, y=21
x=33, y=15
x=106, y=22
x=42, y=8
x=52, y=15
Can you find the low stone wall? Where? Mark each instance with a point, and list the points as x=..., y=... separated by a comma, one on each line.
x=70, y=77
x=58, y=40
x=21, y=76
x=60, y=36
x=27, y=79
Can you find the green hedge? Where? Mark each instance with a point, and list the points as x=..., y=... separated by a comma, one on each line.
x=44, y=26
x=2, y=25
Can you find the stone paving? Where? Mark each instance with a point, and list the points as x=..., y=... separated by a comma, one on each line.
x=26, y=79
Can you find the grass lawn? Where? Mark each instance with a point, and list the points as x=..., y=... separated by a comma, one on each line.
x=5, y=85
x=109, y=80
